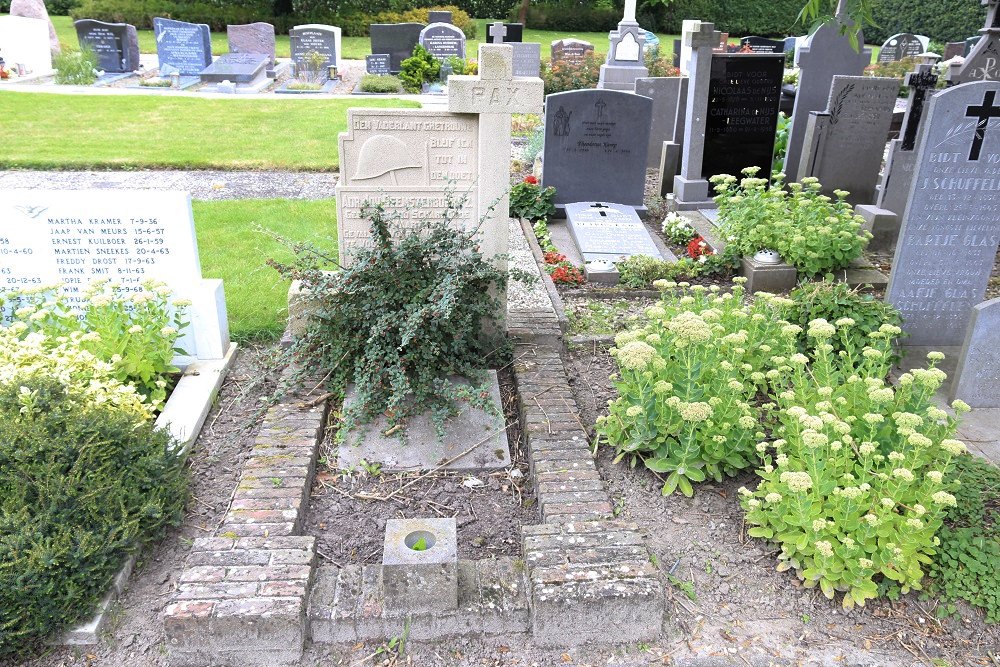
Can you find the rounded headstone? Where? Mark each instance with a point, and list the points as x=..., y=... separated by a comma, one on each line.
x=35, y=9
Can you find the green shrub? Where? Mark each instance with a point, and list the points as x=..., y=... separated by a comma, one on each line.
x=76, y=68
x=381, y=83
x=82, y=486
x=966, y=565
x=781, y=143
x=564, y=75
x=530, y=201
x=419, y=69
x=140, y=13
x=943, y=20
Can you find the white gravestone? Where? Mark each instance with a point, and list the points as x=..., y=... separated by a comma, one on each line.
x=25, y=42
x=74, y=237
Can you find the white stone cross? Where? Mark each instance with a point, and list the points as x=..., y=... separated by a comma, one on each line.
x=629, y=16
x=498, y=31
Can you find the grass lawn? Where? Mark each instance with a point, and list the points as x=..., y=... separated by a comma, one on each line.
x=234, y=246
x=52, y=131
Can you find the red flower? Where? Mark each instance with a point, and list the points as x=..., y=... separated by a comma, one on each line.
x=567, y=275
x=531, y=180
x=698, y=247
x=553, y=257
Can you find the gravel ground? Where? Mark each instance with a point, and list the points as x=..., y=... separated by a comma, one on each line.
x=519, y=295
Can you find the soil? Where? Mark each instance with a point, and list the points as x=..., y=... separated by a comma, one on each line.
x=727, y=596
x=489, y=508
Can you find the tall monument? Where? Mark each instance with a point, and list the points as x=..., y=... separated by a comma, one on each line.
x=625, y=63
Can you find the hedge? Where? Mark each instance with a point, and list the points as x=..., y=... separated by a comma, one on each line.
x=941, y=20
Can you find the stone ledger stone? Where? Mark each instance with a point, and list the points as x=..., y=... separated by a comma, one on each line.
x=35, y=9
x=115, y=44
x=242, y=68
x=182, y=47
x=668, y=95
x=396, y=39
x=608, y=232
x=977, y=380
x=255, y=38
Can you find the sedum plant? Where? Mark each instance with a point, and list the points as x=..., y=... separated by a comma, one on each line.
x=853, y=486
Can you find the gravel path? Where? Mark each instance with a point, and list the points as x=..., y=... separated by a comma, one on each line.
x=520, y=296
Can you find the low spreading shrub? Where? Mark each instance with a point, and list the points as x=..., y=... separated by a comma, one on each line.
x=379, y=83
x=641, y=271
x=419, y=69
x=564, y=75
x=531, y=201
x=76, y=68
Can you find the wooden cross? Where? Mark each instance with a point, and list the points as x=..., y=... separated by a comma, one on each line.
x=983, y=114
x=498, y=31
x=919, y=82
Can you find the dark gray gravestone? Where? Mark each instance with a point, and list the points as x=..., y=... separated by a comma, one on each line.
x=982, y=63
x=515, y=32
x=184, y=47
x=903, y=45
x=443, y=40
x=845, y=144
x=252, y=38
x=608, y=231
x=439, y=17
x=396, y=39
x=595, y=146
x=321, y=39
x=116, y=45
x=377, y=63
x=527, y=58
x=948, y=241
x=762, y=45
x=237, y=68
x=668, y=95
x=570, y=50
x=952, y=49
x=742, y=115
x=977, y=380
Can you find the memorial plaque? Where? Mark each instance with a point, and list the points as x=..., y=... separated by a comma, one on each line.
x=669, y=94
x=409, y=158
x=845, y=144
x=572, y=50
x=237, y=68
x=742, y=116
x=977, y=380
x=378, y=63
x=182, y=47
x=116, y=45
x=396, y=39
x=595, y=146
x=762, y=45
x=443, y=40
x=322, y=39
x=608, y=231
x=527, y=58
x=948, y=241
x=252, y=38
x=125, y=236
x=898, y=47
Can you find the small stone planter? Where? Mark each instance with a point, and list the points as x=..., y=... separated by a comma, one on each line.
x=420, y=581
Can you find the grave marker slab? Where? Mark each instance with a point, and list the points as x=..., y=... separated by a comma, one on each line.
x=443, y=40
x=608, y=232
x=902, y=45
x=252, y=38
x=515, y=33
x=668, y=95
x=762, y=45
x=244, y=68
x=182, y=47
x=76, y=237
x=396, y=39
x=570, y=50
x=527, y=59
x=115, y=44
x=315, y=37
x=595, y=146
x=378, y=63
x=24, y=45
x=844, y=145
x=977, y=380
x=948, y=240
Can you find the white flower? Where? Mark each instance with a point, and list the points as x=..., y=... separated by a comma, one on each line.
x=943, y=498
x=903, y=473
x=773, y=497
x=135, y=329
x=824, y=548
x=953, y=447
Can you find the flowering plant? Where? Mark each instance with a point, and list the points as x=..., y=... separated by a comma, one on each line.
x=853, y=484
x=677, y=229
x=561, y=270
x=529, y=200
x=697, y=248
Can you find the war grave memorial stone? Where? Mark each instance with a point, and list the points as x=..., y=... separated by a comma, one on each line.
x=24, y=46
x=115, y=44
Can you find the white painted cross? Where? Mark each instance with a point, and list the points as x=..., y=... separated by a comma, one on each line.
x=629, y=16
x=498, y=31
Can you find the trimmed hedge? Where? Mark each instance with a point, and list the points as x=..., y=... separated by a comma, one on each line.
x=941, y=20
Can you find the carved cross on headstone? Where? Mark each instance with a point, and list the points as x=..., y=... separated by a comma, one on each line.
x=919, y=82
x=983, y=113
x=497, y=32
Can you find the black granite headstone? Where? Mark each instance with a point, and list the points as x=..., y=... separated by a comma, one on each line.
x=755, y=44
x=116, y=45
x=742, y=115
x=307, y=39
x=443, y=40
x=181, y=46
x=396, y=39
x=677, y=53
x=377, y=63
x=515, y=32
x=236, y=67
x=898, y=47
x=439, y=17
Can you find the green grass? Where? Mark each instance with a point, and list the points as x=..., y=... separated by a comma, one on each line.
x=52, y=131
x=233, y=246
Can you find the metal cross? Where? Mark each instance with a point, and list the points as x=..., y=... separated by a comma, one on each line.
x=983, y=114
x=498, y=31
x=919, y=82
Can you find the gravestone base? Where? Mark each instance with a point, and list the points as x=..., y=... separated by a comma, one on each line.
x=424, y=450
x=184, y=83
x=258, y=86
x=107, y=79
x=670, y=166
x=619, y=77
x=424, y=581
x=773, y=278
x=977, y=377
x=691, y=194
x=882, y=223
x=327, y=87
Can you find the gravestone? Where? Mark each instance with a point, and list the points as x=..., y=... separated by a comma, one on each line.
x=827, y=53
x=35, y=9
x=252, y=38
x=439, y=16
x=983, y=62
x=396, y=39
x=970, y=44
x=73, y=237
x=443, y=40
x=902, y=45
x=948, y=240
x=24, y=45
x=742, y=114
x=237, y=68
x=515, y=33
x=952, y=49
x=314, y=37
x=883, y=219
x=116, y=45
x=687, y=26
x=497, y=32
x=668, y=95
x=182, y=47
x=625, y=63
x=595, y=146
x=723, y=44
x=608, y=232
x=676, y=61
x=762, y=45
x=844, y=145
x=527, y=55
x=570, y=50
x=378, y=63
x=977, y=380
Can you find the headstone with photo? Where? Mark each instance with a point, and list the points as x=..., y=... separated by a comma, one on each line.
x=35, y=9
x=977, y=380
x=396, y=39
x=668, y=94
x=24, y=45
x=983, y=62
x=443, y=41
x=116, y=45
x=595, y=146
x=948, y=241
x=607, y=231
x=439, y=16
x=316, y=38
x=625, y=63
x=378, y=63
x=256, y=38
x=903, y=45
x=182, y=47
x=73, y=237
x=570, y=50
x=844, y=144
x=762, y=45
